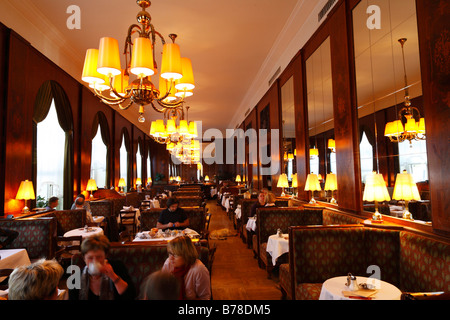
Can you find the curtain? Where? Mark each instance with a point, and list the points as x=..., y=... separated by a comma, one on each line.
x=48, y=91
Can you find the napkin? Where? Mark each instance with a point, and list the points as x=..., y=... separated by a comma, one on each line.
x=128, y=208
x=359, y=293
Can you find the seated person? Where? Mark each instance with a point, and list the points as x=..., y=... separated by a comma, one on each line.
x=260, y=203
x=86, y=204
x=161, y=285
x=270, y=199
x=173, y=217
x=80, y=205
x=52, y=204
x=9, y=236
x=102, y=279
x=38, y=281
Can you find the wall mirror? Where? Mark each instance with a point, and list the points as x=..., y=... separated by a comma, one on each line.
x=288, y=151
x=387, y=70
x=322, y=150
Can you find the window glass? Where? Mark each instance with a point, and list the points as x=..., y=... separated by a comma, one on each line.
x=366, y=151
x=50, y=158
x=413, y=159
x=124, y=162
x=138, y=162
x=98, y=160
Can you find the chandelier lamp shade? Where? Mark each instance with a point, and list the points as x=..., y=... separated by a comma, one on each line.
x=110, y=82
x=407, y=128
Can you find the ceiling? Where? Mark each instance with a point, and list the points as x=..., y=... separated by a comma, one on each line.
x=235, y=46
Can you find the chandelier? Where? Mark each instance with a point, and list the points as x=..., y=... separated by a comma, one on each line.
x=102, y=70
x=400, y=130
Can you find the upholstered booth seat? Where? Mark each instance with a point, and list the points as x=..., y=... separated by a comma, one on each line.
x=308, y=291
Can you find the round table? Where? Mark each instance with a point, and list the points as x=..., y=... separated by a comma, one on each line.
x=277, y=246
x=92, y=231
x=332, y=289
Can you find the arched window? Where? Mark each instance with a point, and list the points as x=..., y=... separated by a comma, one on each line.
x=139, y=161
x=53, y=144
x=124, y=162
x=50, y=142
x=366, y=153
x=99, y=160
x=149, y=165
x=100, y=151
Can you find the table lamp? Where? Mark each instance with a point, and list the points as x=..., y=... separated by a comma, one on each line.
x=331, y=185
x=406, y=189
x=206, y=178
x=91, y=186
x=283, y=183
x=238, y=178
x=25, y=192
x=122, y=184
x=138, y=181
x=312, y=184
x=375, y=190
x=294, y=184
x=149, y=181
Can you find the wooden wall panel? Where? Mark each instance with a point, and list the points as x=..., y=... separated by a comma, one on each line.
x=4, y=46
x=434, y=37
x=30, y=70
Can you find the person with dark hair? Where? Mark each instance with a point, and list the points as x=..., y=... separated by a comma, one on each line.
x=260, y=203
x=173, y=217
x=52, y=204
x=82, y=204
x=161, y=285
x=102, y=279
x=9, y=235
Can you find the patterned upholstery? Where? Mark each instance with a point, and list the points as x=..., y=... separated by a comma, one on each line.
x=66, y=220
x=269, y=219
x=407, y=260
x=424, y=264
x=37, y=236
x=308, y=291
x=334, y=217
x=106, y=208
x=149, y=218
x=196, y=215
x=285, y=281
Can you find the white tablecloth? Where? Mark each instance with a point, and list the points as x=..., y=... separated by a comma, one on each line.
x=251, y=224
x=13, y=258
x=238, y=212
x=332, y=289
x=93, y=231
x=145, y=236
x=277, y=246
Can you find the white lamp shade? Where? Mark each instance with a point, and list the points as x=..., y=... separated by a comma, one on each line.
x=331, y=182
x=283, y=181
x=312, y=183
x=375, y=188
x=405, y=188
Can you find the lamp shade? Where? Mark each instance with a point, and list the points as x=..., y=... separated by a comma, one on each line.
x=178, y=178
x=411, y=126
x=193, y=132
x=375, y=188
x=206, y=178
x=394, y=128
x=283, y=181
x=138, y=181
x=109, y=57
x=122, y=182
x=187, y=80
x=421, y=126
x=120, y=84
x=238, y=178
x=331, y=182
x=171, y=68
x=26, y=191
x=142, y=58
x=92, y=185
x=165, y=86
x=331, y=144
x=405, y=188
x=294, y=181
x=312, y=183
x=90, y=73
x=171, y=126
x=183, y=128
x=313, y=152
x=149, y=180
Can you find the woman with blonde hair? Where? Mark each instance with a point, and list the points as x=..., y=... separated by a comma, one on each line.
x=270, y=199
x=184, y=264
x=38, y=281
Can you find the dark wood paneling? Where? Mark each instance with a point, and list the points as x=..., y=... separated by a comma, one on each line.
x=434, y=37
x=4, y=48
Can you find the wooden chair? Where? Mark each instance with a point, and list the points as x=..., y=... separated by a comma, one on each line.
x=67, y=247
x=128, y=218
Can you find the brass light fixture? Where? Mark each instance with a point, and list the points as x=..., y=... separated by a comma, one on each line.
x=399, y=130
x=103, y=72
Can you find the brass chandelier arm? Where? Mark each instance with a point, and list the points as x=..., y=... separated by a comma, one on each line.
x=125, y=108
